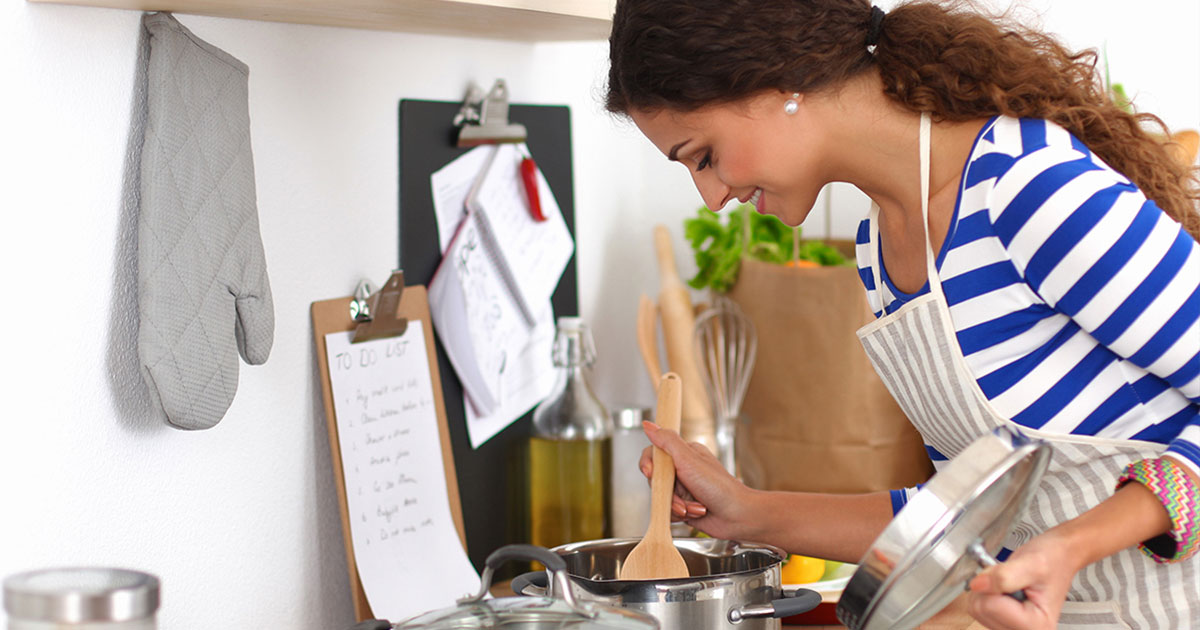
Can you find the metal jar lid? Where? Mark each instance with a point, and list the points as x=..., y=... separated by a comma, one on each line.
x=631, y=416
x=81, y=595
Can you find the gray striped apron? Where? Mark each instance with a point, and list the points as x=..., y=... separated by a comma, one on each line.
x=916, y=353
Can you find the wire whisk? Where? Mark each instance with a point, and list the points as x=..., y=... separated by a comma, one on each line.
x=726, y=345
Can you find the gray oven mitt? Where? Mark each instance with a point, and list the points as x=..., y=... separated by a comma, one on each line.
x=202, y=275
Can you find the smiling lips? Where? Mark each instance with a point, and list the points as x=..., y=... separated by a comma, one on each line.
x=755, y=197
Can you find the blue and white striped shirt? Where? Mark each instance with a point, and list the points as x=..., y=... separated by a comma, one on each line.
x=1075, y=299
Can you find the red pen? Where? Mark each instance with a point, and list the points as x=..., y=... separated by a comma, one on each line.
x=530, y=178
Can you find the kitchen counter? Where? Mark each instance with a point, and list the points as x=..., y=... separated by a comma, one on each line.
x=954, y=617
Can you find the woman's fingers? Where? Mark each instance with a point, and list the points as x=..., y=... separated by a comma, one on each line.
x=1043, y=582
x=685, y=510
x=668, y=441
x=989, y=602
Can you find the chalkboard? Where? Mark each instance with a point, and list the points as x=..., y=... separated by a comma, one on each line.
x=492, y=478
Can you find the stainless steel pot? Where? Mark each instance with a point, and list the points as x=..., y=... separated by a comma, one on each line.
x=732, y=584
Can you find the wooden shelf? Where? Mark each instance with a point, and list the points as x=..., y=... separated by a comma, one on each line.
x=526, y=20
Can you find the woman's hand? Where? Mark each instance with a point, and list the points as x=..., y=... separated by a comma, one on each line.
x=1043, y=568
x=706, y=497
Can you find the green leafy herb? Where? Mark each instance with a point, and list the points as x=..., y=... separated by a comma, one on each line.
x=719, y=244
x=1116, y=91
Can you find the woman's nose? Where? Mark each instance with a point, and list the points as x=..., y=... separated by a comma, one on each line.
x=712, y=190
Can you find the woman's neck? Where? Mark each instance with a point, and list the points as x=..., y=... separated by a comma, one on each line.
x=875, y=147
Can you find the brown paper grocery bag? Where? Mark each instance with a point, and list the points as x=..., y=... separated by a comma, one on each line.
x=816, y=417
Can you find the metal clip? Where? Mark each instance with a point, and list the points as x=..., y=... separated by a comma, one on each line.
x=484, y=119
x=360, y=304
x=376, y=312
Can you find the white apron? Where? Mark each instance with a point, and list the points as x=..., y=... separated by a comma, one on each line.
x=916, y=353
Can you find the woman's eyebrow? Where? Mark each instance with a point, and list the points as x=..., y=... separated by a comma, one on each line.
x=673, y=154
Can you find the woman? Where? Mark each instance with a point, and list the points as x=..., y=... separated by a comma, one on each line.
x=1063, y=298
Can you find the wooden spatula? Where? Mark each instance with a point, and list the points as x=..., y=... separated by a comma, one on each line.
x=656, y=558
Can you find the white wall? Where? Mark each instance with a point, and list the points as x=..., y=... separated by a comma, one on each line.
x=241, y=521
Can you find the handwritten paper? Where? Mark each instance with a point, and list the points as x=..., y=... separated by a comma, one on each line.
x=499, y=268
x=537, y=252
x=475, y=317
x=409, y=556
x=527, y=379
x=450, y=185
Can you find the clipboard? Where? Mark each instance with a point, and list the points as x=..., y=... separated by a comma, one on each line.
x=335, y=315
x=494, y=495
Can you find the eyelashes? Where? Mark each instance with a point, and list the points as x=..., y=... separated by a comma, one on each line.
x=704, y=162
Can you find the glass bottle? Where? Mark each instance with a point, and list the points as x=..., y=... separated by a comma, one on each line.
x=569, y=459
x=629, y=494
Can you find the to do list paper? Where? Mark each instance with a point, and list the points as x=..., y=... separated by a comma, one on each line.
x=409, y=556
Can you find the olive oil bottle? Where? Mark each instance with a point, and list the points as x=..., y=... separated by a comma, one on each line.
x=569, y=454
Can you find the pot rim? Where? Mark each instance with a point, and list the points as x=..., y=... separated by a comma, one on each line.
x=691, y=545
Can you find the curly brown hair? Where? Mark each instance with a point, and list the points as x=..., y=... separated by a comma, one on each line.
x=947, y=59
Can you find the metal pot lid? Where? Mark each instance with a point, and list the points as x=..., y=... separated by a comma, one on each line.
x=558, y=610
x=945, y=534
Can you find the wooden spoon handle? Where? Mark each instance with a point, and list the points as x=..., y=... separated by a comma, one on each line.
x=662, y=480
x=647, y=338
x=668, y=273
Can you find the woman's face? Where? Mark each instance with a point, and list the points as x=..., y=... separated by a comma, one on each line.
x=749, y=150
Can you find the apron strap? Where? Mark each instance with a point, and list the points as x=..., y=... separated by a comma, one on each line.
x=935, y=285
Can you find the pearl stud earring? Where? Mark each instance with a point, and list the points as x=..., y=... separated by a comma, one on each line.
x=792, y=106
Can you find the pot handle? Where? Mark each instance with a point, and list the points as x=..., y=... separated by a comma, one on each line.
x=801, y=601
x=532, y=583
x=556, y=572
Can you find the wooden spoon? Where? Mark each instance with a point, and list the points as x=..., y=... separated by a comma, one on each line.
x=647, y=338
x=655, y=557
x=679, y=329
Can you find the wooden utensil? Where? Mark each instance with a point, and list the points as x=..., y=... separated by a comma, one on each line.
x=1184, y=145
x=655, y=557
x=647, y=338
x=679, y=323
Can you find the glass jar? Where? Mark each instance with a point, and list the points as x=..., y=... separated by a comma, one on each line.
x=569, y=457
x=81, y=599
x=629, y=495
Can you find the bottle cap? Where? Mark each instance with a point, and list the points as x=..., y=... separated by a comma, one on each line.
x=81, y=595
x=571, y=323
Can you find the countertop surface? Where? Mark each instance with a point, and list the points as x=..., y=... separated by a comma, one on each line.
x=953, y=617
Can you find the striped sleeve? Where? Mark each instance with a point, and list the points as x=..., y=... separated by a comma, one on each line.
x=900, y=498
x=1091, y=245
x=862, y=252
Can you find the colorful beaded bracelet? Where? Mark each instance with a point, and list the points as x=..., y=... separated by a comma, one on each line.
x=1174, y=487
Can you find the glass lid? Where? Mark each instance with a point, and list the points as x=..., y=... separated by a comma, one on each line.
x=945, y=534
x=558, y=610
